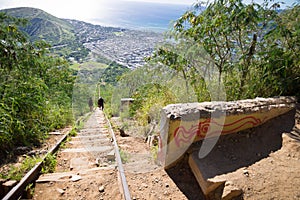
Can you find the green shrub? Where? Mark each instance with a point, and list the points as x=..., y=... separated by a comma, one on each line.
x=124, y=156
x=36, y=89
x=49, y=164
x=17, y=172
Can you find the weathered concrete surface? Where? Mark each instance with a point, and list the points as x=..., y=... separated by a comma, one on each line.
x=125, y=103
x=212, y=187
x=234, y=160
x=183, y=124
x=223, y=172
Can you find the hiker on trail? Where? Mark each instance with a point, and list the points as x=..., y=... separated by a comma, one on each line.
x=91, y=104
x=101, y=103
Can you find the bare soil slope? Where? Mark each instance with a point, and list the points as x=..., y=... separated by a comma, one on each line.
x=267, y=166
x=264, y=162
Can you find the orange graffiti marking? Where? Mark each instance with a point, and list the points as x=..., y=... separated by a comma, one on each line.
x=182, y=135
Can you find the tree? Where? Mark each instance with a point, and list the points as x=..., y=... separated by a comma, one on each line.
x=34, y=87
x=280, y=62
x=244, y=41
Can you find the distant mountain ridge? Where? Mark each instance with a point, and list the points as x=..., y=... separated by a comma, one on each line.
x=42, y=25
x=80, y=41
x=65, y=35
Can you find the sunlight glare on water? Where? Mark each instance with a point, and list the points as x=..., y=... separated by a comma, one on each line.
x=137, y=15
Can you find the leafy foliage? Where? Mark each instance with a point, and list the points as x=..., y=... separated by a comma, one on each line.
x=124, y=156
x=18, y=172
x=152, y=88
x=49, y=164
x=254, y=47
x=35, y=88
x=113, y=72
x=148, y=99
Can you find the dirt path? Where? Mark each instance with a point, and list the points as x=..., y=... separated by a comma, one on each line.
x=267, y=168
x=85, y=168
x=264, y=162
x=146, y=179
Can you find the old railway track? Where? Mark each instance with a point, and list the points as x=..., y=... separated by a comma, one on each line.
x=89, y=167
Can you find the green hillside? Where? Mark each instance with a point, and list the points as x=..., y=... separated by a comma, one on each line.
x=59, y=33
x=36, y=89
x=42, y=25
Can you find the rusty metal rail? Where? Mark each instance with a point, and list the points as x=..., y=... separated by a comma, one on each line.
x=32, y=175
x=16, y=192
x=126, y=192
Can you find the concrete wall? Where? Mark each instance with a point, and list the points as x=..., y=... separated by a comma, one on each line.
x=125, y=103
x=183, y=124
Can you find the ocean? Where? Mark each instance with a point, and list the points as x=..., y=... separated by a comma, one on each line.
x=139, y=15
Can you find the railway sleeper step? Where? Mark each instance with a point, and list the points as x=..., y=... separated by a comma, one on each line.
x=91, y=137
x=88, y=149
x=67, y=176
x=100, y=141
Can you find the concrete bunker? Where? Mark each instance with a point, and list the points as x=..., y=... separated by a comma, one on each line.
x=185, y=125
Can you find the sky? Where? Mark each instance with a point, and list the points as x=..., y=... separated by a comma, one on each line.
x=86, y=9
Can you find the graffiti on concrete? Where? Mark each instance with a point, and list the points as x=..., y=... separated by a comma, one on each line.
x=186, y=136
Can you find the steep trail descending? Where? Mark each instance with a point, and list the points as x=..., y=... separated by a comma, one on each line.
x=86, y=168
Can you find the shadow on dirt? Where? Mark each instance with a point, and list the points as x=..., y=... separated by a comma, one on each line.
x=232, y=152
x=185, y=180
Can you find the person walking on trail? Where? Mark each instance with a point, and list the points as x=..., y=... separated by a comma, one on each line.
x=101, y=103
x=91, y=104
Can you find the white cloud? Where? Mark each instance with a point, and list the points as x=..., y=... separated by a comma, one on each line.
x=186, y=2
x=85, y=9
x=60, y=8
